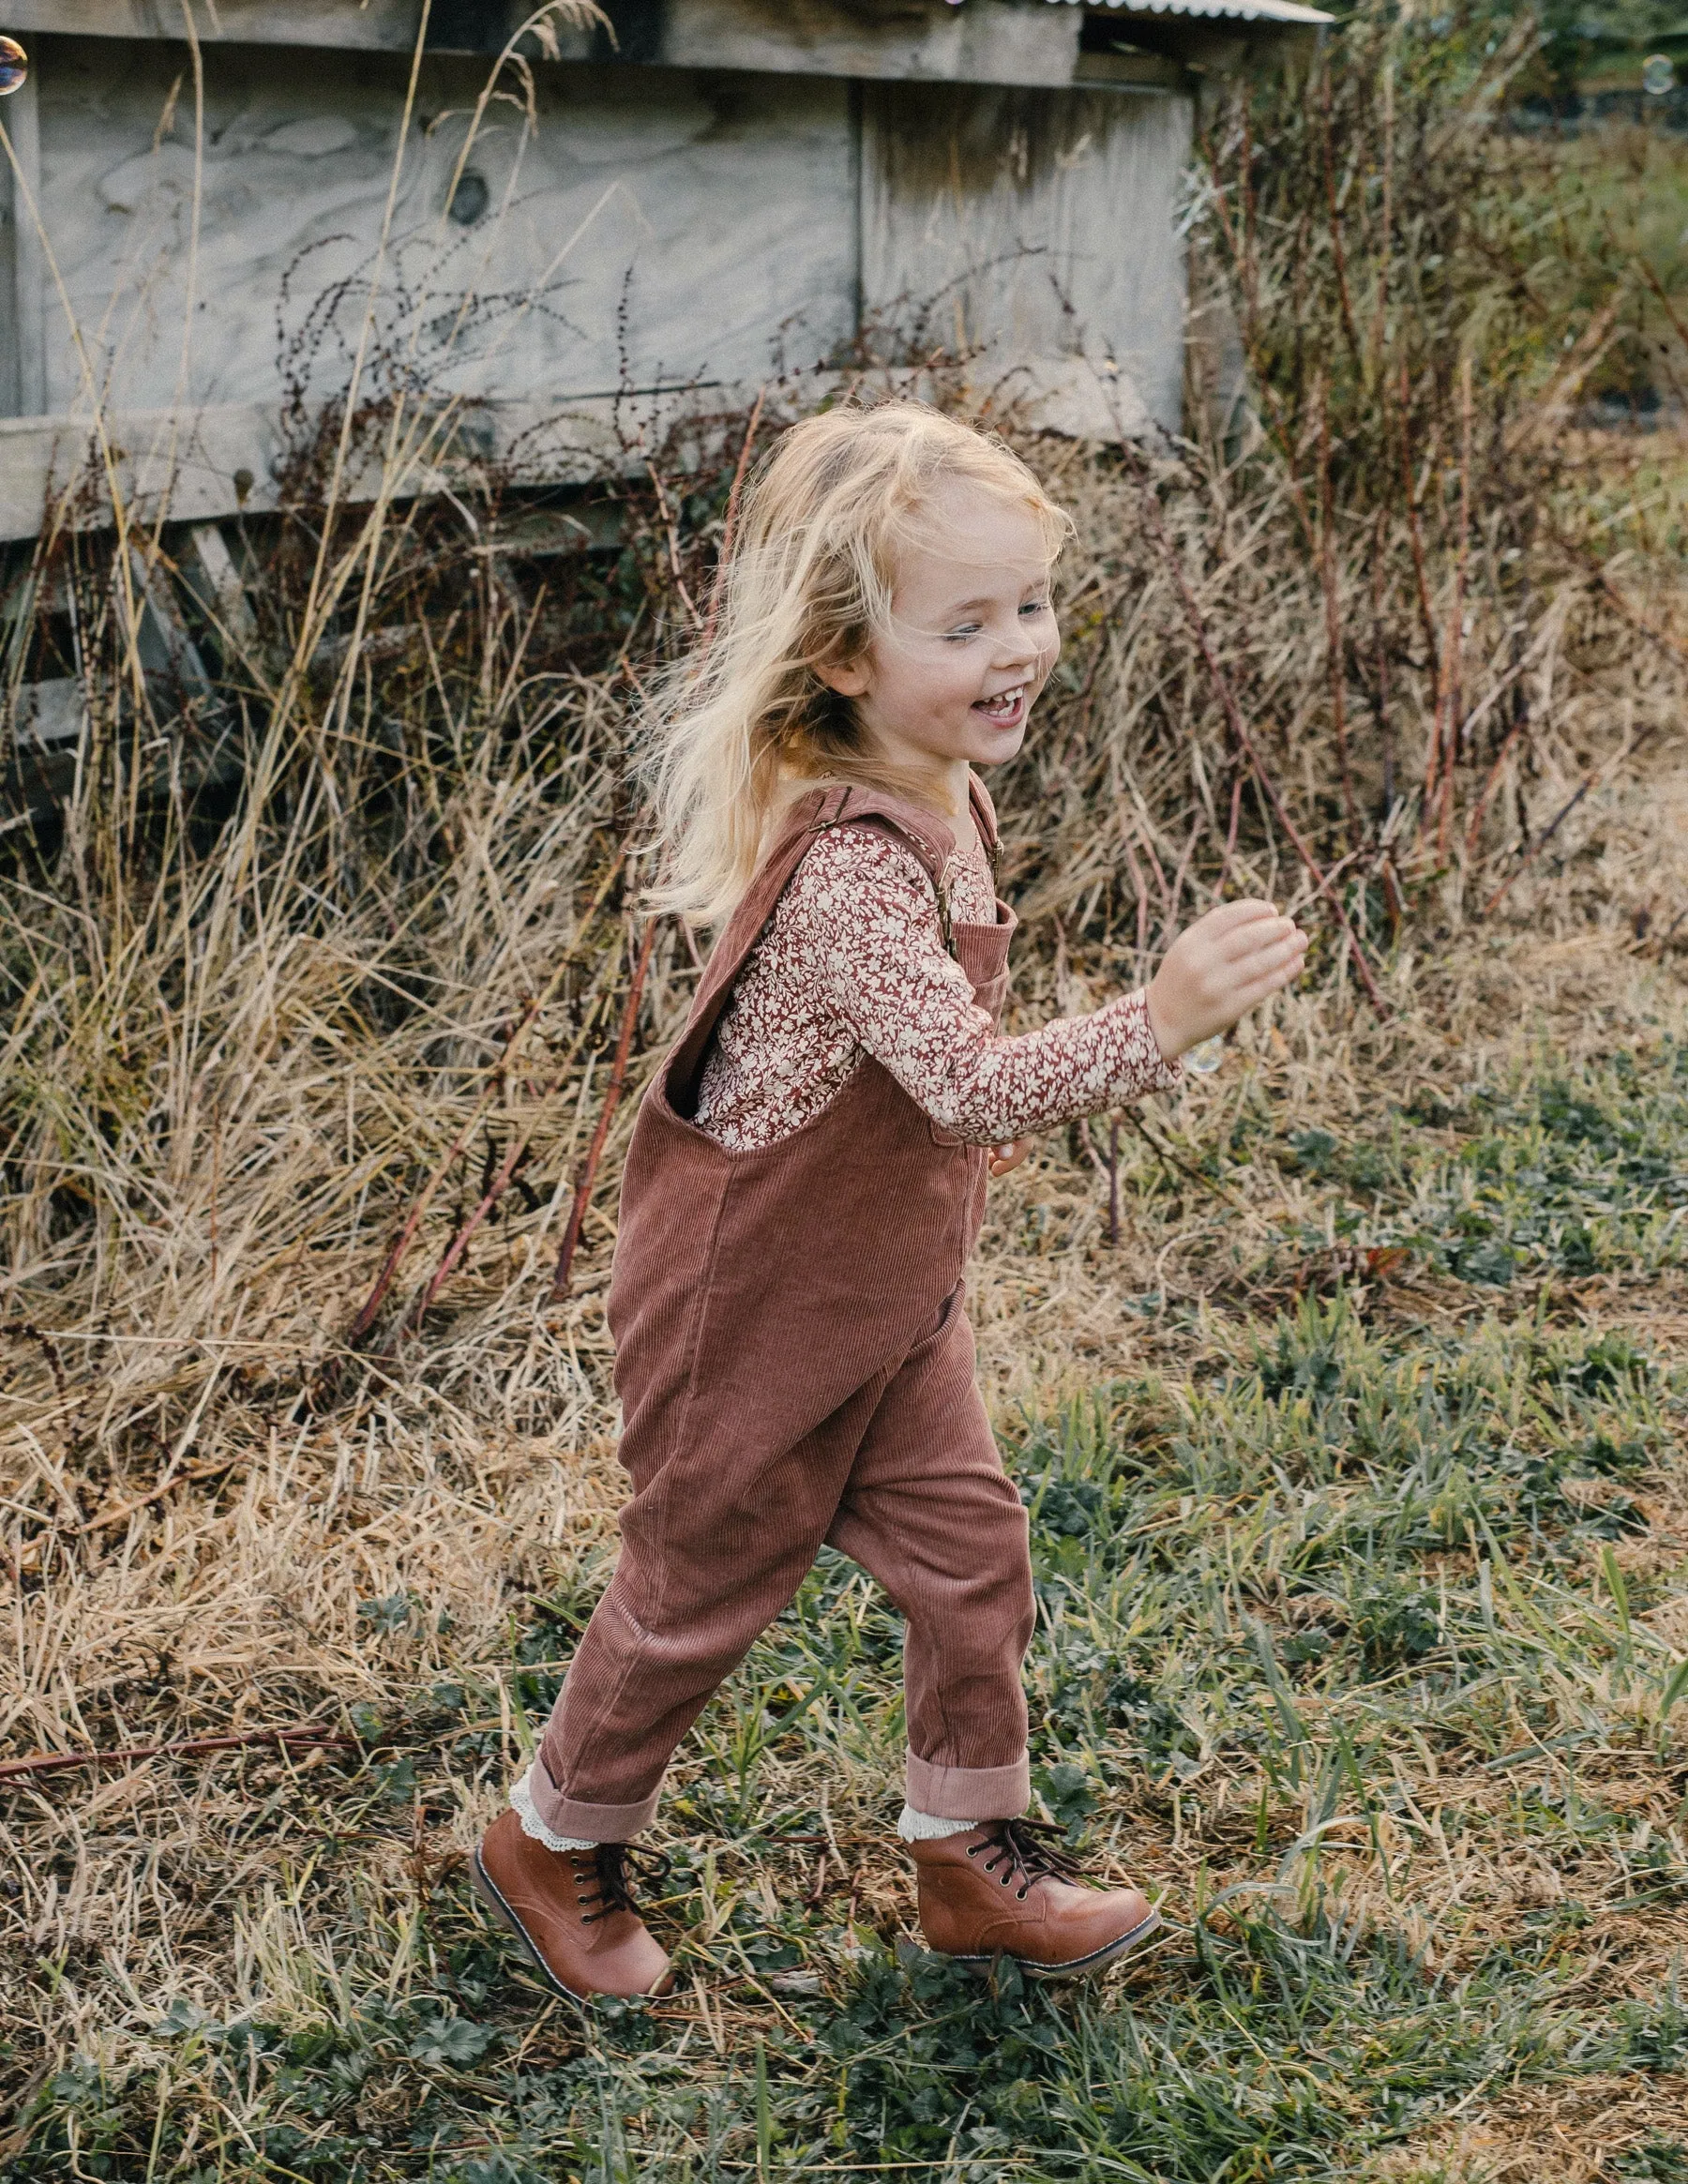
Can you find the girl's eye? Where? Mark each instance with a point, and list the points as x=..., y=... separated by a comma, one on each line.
x=1036, y=607
x=961, y=635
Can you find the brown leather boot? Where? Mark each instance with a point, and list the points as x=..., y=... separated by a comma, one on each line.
x=571, y=1912
x=999, y=1891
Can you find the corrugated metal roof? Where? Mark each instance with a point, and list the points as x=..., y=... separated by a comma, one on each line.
x=1230, y=11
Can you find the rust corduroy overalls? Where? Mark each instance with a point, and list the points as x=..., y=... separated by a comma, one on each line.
x=795, y=1366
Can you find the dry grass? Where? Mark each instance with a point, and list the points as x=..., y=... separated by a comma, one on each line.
x=320, y=1558
x=1360, y=1532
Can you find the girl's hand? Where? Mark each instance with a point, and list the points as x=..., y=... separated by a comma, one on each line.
x=1218, y=968
x=1005, y=1157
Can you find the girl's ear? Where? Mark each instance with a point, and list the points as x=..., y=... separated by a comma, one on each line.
x=850, y=678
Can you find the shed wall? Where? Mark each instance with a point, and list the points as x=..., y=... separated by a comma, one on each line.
x=650, y=228
x=659, y=224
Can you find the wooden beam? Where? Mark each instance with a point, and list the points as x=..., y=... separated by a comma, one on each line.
x=233, y=459
x=986, y=41
x=22, y=264
x=382, y=27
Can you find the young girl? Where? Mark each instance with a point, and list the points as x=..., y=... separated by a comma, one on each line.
x=806, y=1180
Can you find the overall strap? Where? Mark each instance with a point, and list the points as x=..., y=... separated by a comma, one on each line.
x=920, y=831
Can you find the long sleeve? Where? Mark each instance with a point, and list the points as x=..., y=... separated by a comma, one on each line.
x=863, y=918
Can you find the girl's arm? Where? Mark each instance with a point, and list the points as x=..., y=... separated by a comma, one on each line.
x=872, y=930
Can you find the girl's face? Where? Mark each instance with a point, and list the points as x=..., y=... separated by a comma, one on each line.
x=971, y=641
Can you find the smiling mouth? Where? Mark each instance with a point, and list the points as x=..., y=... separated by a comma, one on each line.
x=1007, y=705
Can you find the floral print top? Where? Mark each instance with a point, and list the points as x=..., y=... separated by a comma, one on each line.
x=854, y=962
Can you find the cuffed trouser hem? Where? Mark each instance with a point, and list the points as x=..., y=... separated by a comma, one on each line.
x=970, y=1793
x=566, y=1816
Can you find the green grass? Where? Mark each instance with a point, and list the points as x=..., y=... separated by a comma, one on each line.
x=1356, y=1641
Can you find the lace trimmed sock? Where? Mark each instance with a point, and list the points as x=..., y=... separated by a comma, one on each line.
x=521, y=1803
x=928, y=1827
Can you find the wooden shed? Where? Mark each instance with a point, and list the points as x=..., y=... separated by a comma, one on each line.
x=688, y=196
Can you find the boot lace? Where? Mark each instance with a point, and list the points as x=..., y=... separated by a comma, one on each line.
x=603, y=1876
x=1022, y=1849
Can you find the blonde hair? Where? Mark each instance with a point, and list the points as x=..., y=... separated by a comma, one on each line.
x=745, y=720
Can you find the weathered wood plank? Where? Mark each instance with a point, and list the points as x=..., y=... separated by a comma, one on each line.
x=381, y=26
x=1032, y=225
x=235, y=459
x=988, y=41
x=651, y=227
x=232, y=458
x=23, y=263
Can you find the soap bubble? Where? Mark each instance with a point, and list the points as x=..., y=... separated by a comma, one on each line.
x=1206, y=1057
x=1658, y=75
x=14, y=65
